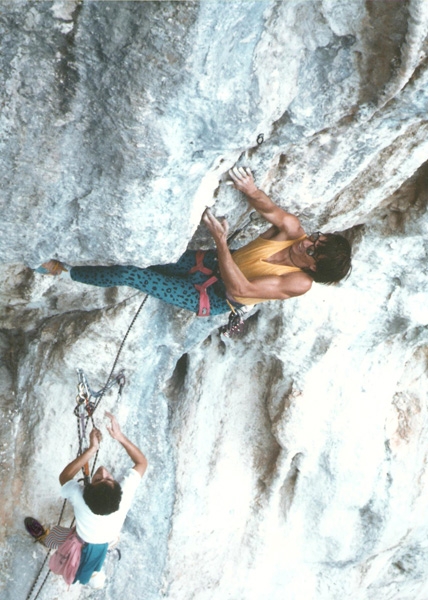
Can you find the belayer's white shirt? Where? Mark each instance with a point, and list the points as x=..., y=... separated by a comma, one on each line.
x=100, y=529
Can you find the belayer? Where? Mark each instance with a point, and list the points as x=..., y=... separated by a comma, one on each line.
x=281, y=263
x=100, y=508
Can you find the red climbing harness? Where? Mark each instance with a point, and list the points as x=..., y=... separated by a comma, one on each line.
x=204, y=301
x=200, y=254
x=235, y=326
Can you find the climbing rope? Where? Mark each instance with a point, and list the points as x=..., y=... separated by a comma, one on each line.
x=104, y=389
x=37, y=579
x=83, y=399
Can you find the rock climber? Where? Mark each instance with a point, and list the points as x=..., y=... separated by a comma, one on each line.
x=281, y=263
x=100, y=507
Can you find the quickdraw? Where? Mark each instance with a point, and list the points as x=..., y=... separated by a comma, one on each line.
x=236, y=324
x=85, y=409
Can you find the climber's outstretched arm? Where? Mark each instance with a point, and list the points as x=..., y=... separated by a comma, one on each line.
x=134, y=453
x=74, y=467
x=243, y=181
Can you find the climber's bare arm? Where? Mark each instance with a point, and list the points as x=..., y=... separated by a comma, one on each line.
x=134, y=453
x=74, y=467
x=285, y=222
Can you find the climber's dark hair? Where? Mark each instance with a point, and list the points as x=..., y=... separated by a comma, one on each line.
x=102, y=498
x=333, y=259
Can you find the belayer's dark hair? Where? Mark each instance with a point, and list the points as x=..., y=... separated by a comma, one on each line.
x=333, y=259
x=102, y=498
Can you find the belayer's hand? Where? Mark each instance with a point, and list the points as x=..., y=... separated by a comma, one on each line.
x=95, y=438
x=114, y=428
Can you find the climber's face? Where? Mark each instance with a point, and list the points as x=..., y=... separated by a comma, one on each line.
x=101, y=475
x=304, y=254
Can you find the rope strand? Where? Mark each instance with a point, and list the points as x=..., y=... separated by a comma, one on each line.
x=119, y=352
x=37, y=578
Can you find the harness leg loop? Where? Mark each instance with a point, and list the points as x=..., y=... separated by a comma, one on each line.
x=200, y=254
x=204, y=301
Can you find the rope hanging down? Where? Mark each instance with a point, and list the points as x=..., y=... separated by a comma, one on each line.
x=83, y=387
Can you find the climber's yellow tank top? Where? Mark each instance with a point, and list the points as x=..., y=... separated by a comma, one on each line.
x=251, y=259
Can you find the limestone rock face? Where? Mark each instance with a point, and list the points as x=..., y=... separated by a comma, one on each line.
x=290, y=463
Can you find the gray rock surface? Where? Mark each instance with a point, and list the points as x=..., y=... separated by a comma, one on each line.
x=291, y=462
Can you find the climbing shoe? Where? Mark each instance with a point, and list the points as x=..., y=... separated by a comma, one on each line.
x=52, y=267
x=35, y=529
